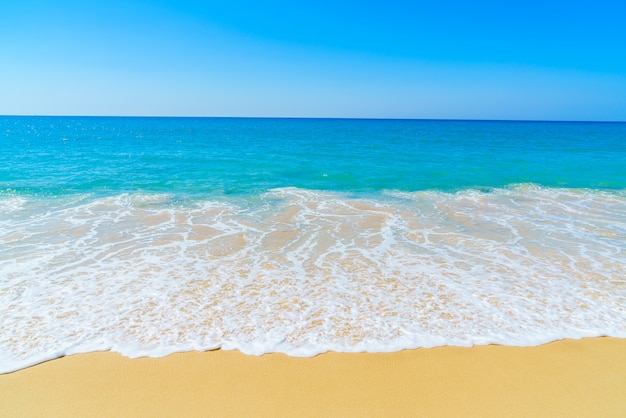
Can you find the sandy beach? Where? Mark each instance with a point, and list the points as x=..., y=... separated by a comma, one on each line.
x=565, y=378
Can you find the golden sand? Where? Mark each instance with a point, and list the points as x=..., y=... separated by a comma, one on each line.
x=570, y=378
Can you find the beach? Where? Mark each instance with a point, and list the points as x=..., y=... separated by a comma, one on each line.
x=338, y=209
x=565, y=378
x=242, y=266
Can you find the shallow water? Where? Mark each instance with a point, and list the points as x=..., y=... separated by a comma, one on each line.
x=117, y=236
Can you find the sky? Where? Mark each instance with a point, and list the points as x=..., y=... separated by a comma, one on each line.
x=530, y=60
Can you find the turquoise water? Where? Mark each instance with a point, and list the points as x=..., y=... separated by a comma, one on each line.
x=207, y=156
x=149, y=236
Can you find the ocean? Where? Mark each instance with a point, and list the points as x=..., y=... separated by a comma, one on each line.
x=149, y=236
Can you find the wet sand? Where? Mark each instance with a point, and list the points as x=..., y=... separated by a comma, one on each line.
x=565, y=378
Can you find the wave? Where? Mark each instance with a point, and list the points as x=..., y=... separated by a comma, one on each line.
x=303, y=271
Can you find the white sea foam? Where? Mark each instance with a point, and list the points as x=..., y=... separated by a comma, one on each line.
x=303, y=272
x=10, y=204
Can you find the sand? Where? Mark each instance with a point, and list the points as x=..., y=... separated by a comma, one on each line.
x=565, y=378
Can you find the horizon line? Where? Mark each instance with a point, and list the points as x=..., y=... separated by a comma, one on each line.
x=311, y=118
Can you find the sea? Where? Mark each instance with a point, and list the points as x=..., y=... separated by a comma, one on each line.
x=149, y=236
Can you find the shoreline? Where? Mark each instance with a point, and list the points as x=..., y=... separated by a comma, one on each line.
x=584, y=377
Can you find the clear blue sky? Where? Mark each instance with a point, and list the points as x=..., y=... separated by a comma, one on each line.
x=557, y=60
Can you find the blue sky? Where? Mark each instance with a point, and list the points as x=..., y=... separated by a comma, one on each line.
x=396, y=59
